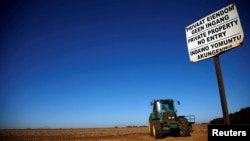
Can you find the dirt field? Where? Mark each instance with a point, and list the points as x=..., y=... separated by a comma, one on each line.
x=100, y=134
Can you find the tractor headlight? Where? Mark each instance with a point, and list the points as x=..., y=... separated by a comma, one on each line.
x=171, y=117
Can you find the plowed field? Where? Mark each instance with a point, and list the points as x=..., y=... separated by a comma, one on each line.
x=98, y=134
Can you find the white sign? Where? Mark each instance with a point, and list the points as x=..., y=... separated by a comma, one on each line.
x=214, y=34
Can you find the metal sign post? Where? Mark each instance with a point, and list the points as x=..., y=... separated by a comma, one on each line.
x=222, y=90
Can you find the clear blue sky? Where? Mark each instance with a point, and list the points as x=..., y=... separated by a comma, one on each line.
x=99, y=63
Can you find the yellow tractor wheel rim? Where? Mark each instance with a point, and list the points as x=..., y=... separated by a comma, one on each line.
x=154, y=130
x=149, y=127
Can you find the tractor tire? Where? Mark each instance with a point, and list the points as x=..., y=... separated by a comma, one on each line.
x=185, y=130
x=157, y=132
x=150, y=125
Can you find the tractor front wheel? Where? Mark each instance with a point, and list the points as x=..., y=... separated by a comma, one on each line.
x=150, y=125
x=157, y=132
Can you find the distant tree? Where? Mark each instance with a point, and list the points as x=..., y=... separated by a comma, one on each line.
x=240, y=117
x=217, y=121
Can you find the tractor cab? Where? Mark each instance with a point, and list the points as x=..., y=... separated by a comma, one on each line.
x=164, y=109
x=160, y=105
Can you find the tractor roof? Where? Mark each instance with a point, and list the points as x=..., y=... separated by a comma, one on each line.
x=164, y=100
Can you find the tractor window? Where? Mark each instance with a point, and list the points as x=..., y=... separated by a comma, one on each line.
x=159, y=107
x=167, y=106
x=164, y=106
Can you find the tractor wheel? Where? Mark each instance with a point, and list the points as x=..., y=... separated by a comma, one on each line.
x=150, y=124
x=185, y=130
x=157, y=132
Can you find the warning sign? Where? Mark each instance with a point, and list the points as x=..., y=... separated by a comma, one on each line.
x=214, y=34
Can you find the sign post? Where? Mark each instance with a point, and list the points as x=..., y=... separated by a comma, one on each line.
x=212, y=35
x=222, y=90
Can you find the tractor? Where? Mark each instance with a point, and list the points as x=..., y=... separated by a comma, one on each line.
x=164, y=120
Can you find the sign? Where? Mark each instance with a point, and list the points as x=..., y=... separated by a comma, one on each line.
x=214, y=34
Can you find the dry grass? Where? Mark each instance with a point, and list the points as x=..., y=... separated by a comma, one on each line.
x=102, y=134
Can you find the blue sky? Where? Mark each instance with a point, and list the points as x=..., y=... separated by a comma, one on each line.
x=74, y=64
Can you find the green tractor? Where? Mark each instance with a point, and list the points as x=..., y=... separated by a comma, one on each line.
x=164, y=120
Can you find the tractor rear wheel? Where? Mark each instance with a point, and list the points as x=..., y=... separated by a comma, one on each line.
x=150, y=125
x=157, y=132
x=185, y=130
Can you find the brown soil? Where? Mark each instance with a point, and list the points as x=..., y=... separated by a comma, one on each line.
x=199, y=133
